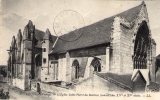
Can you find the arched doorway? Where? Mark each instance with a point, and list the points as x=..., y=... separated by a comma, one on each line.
x=141, y=47
x=96, y=64
x=35, y=71
x=75, y=70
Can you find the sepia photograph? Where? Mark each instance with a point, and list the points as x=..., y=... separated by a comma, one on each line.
x=79, y=49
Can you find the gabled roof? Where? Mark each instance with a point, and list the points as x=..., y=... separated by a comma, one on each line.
x=94, y=34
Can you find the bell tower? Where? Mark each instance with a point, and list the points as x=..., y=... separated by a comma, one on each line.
x=45, y=58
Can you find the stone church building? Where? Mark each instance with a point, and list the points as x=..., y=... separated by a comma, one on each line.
x=121, y=44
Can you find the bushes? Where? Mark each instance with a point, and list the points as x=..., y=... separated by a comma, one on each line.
x=4, y=95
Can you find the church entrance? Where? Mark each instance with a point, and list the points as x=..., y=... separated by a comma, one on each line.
x=75, y=70
x=141, y=47
x=96, y=64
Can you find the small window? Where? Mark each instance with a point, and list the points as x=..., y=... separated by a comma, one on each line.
x=44, y=60
x=45, y=78
x=44, y=49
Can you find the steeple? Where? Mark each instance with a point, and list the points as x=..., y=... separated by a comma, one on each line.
x=19, y=35
x=13, y=42
x=143, y=3
x=31, y=27
x=30, y=23
x=47, y=35
x=29, y=31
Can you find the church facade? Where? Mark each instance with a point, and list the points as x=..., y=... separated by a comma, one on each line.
x=120, y=44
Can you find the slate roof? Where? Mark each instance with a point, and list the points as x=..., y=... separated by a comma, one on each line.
x=39, y=35
x=94, y=34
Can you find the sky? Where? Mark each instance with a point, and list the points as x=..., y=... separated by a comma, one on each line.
x=14, y=15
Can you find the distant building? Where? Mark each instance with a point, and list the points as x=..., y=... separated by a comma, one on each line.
x=120, y=44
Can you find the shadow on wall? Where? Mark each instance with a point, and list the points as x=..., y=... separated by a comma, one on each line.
x=158, y=76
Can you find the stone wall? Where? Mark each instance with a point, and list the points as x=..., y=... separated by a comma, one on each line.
x=123, y=41
x=84, y=58
x=116, y=46
x=121, y=48
x=126, y=65
x=153, y=68
x=66, y=74
x=62, y=67
x=20, y=83
x=86, y=70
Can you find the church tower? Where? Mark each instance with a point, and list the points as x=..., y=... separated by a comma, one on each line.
x=45, y=58
x=28, y=53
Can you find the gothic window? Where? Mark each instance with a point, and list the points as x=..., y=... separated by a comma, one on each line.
x=75, y=69
x=141, y=43
x=96, y=65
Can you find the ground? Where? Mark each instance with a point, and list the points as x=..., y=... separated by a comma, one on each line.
x=18, y=94
x=96, y=84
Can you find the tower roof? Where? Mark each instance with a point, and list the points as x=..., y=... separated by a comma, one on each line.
x=30, y=23
x=19, y=35
x=47, y=34
x=13, y=41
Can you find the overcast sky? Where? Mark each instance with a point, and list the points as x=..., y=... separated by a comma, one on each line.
x=14, y=15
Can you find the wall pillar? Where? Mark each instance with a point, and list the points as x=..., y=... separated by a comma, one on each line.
x=153, y=62
x=153, y=71
x=107, y=59
x=68, y=68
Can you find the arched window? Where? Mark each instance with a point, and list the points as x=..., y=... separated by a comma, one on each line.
x=75, y=69
x=141, y=47
x=96, y=64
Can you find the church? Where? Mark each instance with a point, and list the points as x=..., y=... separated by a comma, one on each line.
x=121, y=44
